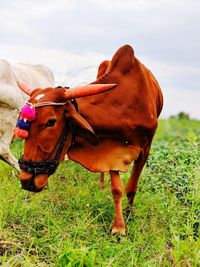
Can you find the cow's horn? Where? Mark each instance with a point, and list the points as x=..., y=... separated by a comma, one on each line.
x=86, y=90
x=27, y=90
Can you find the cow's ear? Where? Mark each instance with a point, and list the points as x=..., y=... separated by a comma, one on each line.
x=103, y=68
x=81, y=127
x=122, y=60
x=26, y=89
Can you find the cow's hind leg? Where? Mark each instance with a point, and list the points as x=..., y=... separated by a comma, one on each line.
x=131, y=187
x=117, y=189
x=102, y=184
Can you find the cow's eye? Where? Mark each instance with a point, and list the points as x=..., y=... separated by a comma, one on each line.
x=51, y=122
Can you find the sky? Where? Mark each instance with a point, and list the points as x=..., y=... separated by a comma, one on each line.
x=72, y=37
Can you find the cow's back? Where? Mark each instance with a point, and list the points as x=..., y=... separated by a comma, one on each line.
x=10, y=95
x=36, y=76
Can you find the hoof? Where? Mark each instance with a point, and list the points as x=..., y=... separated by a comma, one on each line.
x=118, y=230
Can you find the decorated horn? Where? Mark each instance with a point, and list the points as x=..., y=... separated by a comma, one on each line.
x=86, y=90
x=27, y=90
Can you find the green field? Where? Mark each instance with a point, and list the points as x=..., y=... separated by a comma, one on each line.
x=69, y=223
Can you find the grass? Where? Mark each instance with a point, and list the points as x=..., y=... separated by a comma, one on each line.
x=69, y=223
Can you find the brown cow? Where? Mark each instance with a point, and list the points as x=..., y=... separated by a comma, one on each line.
x=108, y=132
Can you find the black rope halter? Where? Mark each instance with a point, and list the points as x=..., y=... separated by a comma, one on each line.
x=47, y=166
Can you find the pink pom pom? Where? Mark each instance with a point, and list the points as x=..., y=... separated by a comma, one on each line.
x=20, y=133
x=29, y=113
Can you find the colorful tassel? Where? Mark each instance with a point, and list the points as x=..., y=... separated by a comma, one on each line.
x=23, y=124
x=28, y=112
x=20, y=133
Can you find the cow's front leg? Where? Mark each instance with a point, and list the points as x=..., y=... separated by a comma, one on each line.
x=117, y=189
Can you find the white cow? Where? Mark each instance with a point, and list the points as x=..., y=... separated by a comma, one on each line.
x=12, y=99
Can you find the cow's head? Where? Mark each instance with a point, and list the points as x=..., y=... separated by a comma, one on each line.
x=48, y=122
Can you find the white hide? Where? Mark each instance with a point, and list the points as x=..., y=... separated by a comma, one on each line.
x=12, y=99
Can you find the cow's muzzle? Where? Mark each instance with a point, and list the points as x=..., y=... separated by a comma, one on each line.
x=33, y=183
x=29, y=186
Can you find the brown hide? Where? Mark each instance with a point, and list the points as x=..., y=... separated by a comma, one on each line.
x=124, y=119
